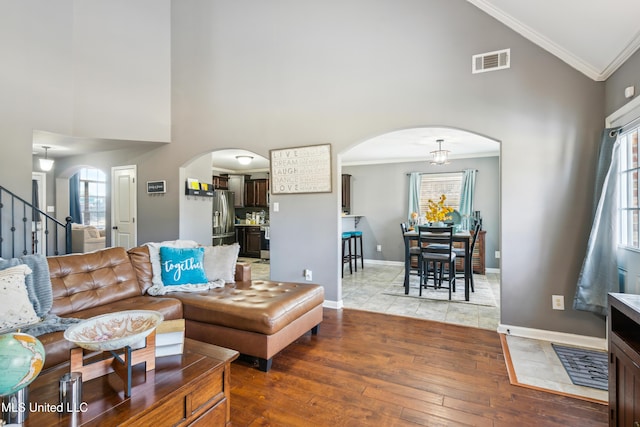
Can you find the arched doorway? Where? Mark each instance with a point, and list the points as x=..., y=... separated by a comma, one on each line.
x=378, y=171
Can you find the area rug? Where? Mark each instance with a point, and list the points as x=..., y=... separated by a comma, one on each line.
x=587, y=368
x=483, y=294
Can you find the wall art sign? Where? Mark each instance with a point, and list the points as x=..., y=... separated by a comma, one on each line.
x=156, y=187
x=300, y=170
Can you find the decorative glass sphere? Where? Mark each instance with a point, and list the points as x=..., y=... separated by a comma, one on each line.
x=21, y=360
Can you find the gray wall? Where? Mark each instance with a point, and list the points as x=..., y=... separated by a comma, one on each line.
x=380, y=193
x=196, y=210
x=627, y=75
x=260, y=75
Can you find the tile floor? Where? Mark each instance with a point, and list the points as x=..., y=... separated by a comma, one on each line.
x=368, y=289
x=534, y=362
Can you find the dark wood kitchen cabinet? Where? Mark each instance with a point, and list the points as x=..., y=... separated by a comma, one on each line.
x=624, y=360
x=248, y=237
x=256, y=193
x=346, y=193
x=221, y=182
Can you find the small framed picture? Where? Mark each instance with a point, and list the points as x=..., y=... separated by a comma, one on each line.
x=155, y=187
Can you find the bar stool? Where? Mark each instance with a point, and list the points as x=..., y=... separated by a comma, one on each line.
x=347, y=257
x=357, y=236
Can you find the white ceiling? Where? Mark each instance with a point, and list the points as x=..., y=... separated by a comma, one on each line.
x=225, y=161
x=410, y=145
x=593, y=36
x=65, y=146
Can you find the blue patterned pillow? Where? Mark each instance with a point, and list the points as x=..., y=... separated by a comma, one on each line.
x=182, y=266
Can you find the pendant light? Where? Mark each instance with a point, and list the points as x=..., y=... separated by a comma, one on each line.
x=440, y=156
x=46, y=164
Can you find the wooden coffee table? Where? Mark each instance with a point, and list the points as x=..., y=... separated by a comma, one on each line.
x=188, y=389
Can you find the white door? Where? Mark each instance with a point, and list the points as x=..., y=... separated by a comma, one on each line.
x=123, y=206
x=37, y=227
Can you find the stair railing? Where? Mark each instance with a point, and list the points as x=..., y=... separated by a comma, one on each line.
x=21, y=224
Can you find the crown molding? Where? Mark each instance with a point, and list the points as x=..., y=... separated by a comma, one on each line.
x=574, y=61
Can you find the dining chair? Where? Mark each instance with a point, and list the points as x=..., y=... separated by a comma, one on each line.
x=436, y=253
x=460, y=254
x=414, y=252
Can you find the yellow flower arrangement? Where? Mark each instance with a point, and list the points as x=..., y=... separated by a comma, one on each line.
x=438, y=211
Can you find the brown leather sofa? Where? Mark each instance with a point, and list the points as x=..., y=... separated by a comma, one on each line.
x=257, y=318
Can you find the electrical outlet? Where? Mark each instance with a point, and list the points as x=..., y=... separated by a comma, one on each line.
x=276, y=207
x=308, y=275
x=379, y=248
x=497, y=254
x=557, y=302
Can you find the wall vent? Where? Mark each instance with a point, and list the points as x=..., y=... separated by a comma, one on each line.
x=491, y=61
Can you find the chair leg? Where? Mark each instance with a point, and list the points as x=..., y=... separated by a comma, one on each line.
x=351, y=259
x=361, y=254
x=420, y=274
x=354, y=254
x=343, y=258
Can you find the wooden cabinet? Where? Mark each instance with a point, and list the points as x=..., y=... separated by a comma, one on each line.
x=624, y=360
x=221, y=182
x=478, y=256
x=249, y=239
x=256, y=193
x=346, y=193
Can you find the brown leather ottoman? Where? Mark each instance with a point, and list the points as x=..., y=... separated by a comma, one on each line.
x=257, y=318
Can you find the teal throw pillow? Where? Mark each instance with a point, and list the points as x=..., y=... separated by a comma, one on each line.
x=182, y=266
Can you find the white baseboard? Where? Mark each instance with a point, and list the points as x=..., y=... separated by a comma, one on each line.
x=492, y=270
x=383, y=262
x=336, y=305
x=553, y=336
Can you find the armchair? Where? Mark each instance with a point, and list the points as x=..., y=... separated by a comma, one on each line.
x=86, y=238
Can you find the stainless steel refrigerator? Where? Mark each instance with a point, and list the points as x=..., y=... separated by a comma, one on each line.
x=223, y=218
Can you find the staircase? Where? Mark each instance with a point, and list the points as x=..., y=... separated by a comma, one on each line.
x=25, y=229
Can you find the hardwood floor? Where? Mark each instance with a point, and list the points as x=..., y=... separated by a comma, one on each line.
x=367, y=368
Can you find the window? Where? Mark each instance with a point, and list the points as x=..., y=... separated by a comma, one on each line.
x=629, y=208
x=93, y=190
x=434, y=185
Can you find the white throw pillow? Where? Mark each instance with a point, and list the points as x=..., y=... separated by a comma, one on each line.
x=15, y=308
x=220, y=262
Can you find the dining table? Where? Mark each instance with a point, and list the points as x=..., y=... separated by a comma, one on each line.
x=462, y=236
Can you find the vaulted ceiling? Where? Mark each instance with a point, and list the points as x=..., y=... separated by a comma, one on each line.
x=593, y=36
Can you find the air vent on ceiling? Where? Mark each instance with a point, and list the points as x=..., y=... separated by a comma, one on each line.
x=491, y=61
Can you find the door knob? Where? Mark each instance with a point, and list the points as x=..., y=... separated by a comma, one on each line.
x=115, y=227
